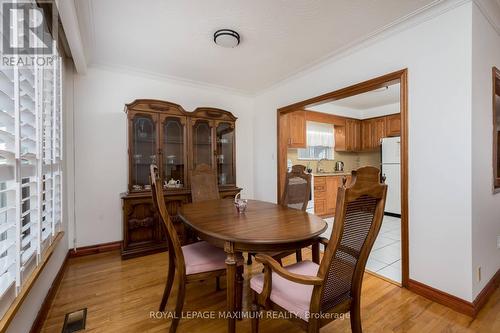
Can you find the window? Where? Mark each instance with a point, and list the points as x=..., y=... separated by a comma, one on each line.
x=30, y=170
x=320, y=142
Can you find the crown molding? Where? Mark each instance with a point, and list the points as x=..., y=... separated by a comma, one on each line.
x=491, y=11
x=426, y=13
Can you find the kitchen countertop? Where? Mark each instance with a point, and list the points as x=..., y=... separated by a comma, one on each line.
x=337, y=173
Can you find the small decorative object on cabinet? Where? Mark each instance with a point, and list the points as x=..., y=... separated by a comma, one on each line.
x=177, y=141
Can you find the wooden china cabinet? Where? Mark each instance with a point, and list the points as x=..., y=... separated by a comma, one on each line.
x=177, y=141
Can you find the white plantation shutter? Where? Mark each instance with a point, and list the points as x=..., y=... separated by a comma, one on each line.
x=28, y=166
x=57, y=149
x=8, y=223
x=30, y=169
x=47, y=154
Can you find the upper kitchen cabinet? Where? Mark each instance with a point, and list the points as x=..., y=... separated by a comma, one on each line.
x=297, y=129
x=366, y=134
x=348, y=137
x=393, y=125
x=340, y=138
x=353, y=135
x=378, y=131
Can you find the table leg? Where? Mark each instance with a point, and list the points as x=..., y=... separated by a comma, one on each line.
x=231, y=286
x=239, y=283
x=315, y=252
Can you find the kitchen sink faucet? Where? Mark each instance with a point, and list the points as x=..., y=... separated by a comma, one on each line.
x=318, y=168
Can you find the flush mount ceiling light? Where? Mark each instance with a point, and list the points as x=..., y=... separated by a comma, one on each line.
x=226, y=38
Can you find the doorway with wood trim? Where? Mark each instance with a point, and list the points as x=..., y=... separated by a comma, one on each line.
x=351, y=135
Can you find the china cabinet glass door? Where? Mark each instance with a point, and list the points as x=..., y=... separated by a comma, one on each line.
x=173, y=152
x=144, y=150
x=224, y=154
x=202, y=143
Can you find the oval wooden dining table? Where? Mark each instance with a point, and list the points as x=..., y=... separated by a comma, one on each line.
x=263, y=227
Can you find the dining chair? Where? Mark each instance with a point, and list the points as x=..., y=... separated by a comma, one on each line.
x=318, y=294
x=296, y=195
x=204, y=187
x=204, y=184
x=194, y=262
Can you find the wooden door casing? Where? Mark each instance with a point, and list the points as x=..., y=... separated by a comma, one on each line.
x=398, y=77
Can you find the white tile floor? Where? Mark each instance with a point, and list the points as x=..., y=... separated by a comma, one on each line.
x=385, y=258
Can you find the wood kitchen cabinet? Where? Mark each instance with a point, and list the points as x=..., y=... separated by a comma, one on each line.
x=375, y=129
x=340, y=138
x=297, y=137
x=320, y=196
x=353, y=135
x=332, y=184
x=393, y=125
x=348, y=137
x=378, y=131
x=325, y=194
x=366, y=134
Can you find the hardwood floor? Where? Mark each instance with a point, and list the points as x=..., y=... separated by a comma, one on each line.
x=120, y=295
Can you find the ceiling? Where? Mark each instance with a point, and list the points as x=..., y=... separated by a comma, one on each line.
x=371, y=99
x=375, y=103
x=279, y=37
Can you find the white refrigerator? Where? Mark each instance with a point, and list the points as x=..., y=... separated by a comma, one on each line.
x=391, y=169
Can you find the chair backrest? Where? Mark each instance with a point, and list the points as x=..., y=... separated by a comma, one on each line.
x=359, y=214
x=297, y=188
x=174, y=244
x=204, y=184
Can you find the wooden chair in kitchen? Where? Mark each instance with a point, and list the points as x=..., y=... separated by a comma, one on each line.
x=317, y=294
x=296, y=195
x=194, y=262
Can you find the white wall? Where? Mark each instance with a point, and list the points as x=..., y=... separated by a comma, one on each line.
x=101, y=141
x=437, y=53
x=485, y=205
x=25, y=316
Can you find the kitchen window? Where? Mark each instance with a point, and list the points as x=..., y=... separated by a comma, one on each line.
x=320, y=142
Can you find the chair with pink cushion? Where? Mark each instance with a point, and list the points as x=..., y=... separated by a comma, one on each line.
x=317, y=294
x=193, y=262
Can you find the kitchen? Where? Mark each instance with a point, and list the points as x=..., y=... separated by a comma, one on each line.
x=333, y=138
